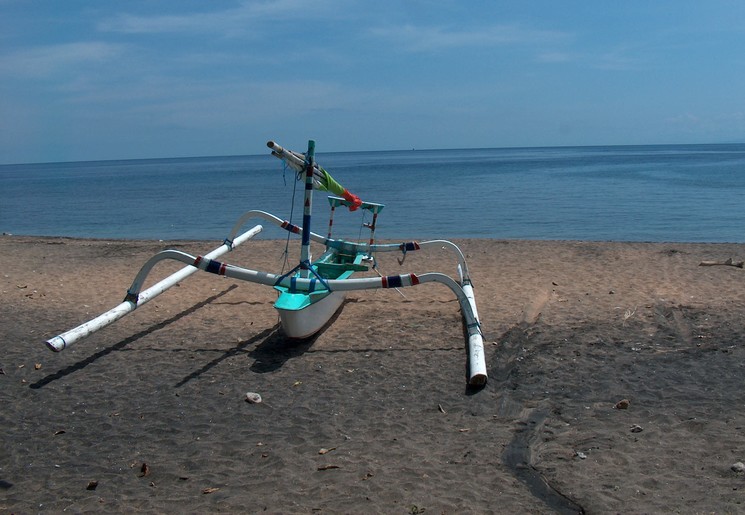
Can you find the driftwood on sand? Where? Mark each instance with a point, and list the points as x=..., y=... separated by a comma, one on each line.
x=729, y=262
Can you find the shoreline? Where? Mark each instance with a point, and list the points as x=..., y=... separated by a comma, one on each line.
x=570, y=328
x=261, y=237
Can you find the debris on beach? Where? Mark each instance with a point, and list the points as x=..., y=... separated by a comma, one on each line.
x=728, y=262
x=738, y=467
x=328, y=467
x=144, y=470
x=622, y=404
x=636, y=428
x=92, y=485
x=253, y=398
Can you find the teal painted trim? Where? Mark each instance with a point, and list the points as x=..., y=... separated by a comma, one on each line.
x=297, y=301
x=370, y=206
x=327, y=266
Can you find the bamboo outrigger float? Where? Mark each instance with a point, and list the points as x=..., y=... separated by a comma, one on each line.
x=312, y=292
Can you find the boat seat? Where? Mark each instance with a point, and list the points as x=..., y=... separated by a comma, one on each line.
x=340, y=267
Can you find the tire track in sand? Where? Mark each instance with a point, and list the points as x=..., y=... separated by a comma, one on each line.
x=518, y=455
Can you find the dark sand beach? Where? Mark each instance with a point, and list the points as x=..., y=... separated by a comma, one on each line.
x=373, y=415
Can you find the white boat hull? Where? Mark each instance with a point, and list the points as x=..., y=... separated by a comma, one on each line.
x=305, y=322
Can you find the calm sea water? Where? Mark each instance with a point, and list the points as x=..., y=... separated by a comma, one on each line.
x=686, y=193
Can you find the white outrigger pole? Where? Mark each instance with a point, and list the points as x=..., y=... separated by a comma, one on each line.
x=307, y=281
x=133, y=301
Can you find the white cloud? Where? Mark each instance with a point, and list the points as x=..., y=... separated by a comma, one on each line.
x=722, y=125
x=425, y=39
x=556, y=57
x=240, y=19
x=39, y=62
x=622, y=58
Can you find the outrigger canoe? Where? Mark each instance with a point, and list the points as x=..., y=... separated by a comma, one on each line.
x=313, y=291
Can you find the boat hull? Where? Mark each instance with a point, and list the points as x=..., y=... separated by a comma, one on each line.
x=308, y=320
x=303, y=314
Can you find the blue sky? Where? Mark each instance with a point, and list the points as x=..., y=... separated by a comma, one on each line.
x=139, y=79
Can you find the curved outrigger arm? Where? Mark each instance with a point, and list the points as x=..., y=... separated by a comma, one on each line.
x=64, y=340
x=419, y=245
x=476, y=359
x=353, y=247
x=284, y=224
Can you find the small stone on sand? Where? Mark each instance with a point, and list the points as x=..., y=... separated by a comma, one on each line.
x=623, y=404
x=253, y=398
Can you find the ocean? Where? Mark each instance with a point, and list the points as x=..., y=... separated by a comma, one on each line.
x=681, y=193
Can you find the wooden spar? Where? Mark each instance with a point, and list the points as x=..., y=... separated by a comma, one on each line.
x=64, y=340
x=464, y=293
x=294, y=159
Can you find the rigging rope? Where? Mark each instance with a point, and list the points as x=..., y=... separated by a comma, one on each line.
x=286, y=252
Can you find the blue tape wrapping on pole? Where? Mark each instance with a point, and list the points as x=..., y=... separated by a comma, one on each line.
x=213, y=267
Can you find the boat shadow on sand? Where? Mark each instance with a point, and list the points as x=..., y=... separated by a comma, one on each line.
x=272, y=353
x=272, y=349
x=121, y=345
